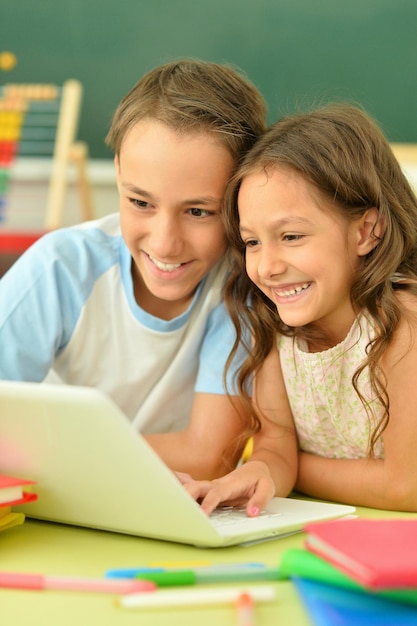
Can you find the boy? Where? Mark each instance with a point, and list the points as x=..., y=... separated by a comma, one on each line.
x=130, y=303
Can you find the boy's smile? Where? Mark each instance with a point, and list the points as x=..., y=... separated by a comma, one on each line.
x=171, y=188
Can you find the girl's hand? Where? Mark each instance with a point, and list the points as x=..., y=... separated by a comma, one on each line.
x=250, y=485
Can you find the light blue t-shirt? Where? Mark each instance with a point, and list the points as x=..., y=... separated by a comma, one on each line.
x=68, y=313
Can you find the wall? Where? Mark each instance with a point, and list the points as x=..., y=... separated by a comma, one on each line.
x=296, y=51
x=28, y=192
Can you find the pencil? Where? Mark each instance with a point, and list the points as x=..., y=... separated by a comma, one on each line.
x=194, y=597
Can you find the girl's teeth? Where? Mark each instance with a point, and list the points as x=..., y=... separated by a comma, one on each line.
x=294, y=291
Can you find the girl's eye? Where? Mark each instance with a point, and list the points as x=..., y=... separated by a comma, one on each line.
x=292, y=237
x=199, y=212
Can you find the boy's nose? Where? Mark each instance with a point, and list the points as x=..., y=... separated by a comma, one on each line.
x=166, y=238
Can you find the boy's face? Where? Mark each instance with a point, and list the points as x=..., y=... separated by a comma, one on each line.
x=171, y=188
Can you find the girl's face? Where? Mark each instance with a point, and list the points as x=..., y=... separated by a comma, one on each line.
x=299, y=252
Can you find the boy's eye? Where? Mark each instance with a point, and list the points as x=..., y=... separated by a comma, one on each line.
x=199, y=212
x=141, y=204
x=251, y=243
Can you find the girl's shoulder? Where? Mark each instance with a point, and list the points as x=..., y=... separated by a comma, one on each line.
x=405, y=335
x=408, y=302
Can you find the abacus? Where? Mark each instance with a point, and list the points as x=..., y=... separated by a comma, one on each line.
x=41, y=120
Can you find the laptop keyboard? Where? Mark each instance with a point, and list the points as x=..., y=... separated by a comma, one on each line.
x=228, y=515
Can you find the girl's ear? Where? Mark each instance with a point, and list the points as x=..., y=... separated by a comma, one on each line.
x=370, y=231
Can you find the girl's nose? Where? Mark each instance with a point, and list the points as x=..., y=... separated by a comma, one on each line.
x=270, y=264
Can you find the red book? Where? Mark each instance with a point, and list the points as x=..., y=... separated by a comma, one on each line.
x=14, y=242
x=377, y=553
x=12, y=492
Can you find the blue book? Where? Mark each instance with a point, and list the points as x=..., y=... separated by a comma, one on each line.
x=330, y=606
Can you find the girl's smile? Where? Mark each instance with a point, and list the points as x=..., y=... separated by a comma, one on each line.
x=300, y=253
x=286, y=292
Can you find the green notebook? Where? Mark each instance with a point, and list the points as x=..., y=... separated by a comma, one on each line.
x=304, y=564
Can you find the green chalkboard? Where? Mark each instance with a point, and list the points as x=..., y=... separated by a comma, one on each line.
x=296, y=51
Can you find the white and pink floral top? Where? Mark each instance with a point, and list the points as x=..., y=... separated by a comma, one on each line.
x=329, y=416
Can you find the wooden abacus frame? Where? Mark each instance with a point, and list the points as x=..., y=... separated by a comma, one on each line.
x=66, y=149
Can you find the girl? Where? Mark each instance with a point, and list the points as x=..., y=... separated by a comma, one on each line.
x=323, y=225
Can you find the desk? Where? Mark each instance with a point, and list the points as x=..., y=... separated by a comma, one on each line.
x=54, y=549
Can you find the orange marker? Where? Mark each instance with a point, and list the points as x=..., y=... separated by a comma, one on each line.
x=245, y=608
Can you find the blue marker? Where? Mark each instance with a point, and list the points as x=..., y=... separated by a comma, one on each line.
x=240, y=572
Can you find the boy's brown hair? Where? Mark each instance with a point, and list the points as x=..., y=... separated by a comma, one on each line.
x=193, y=96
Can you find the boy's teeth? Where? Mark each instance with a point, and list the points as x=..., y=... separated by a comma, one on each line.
x=166, y=267
x=294, y=291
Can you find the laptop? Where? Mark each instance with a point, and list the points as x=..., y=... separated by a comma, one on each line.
x=93, y=470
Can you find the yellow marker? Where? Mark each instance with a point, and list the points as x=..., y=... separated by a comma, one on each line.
x=248, y=450
x=180, y=564
x=7, y=61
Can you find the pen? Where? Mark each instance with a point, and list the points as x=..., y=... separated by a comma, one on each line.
x=245, y=608
x=12, y=580
x=194, y=597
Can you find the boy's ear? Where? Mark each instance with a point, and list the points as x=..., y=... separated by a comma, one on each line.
x=370, y=230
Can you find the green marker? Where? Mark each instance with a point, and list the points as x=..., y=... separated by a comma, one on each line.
x=180, y=577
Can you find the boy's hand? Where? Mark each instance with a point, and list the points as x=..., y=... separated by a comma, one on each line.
x=184, y=478
x=250, y=485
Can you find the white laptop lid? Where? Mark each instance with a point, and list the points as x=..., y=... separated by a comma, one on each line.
x=92, y=469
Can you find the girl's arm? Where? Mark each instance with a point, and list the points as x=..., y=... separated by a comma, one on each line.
x=272, y=468
x=390, y=483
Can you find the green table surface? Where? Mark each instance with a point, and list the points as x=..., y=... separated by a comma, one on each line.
x=55, y=549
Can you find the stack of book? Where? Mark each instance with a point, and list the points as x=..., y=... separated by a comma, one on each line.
x=13, y=491
x=357, y=571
